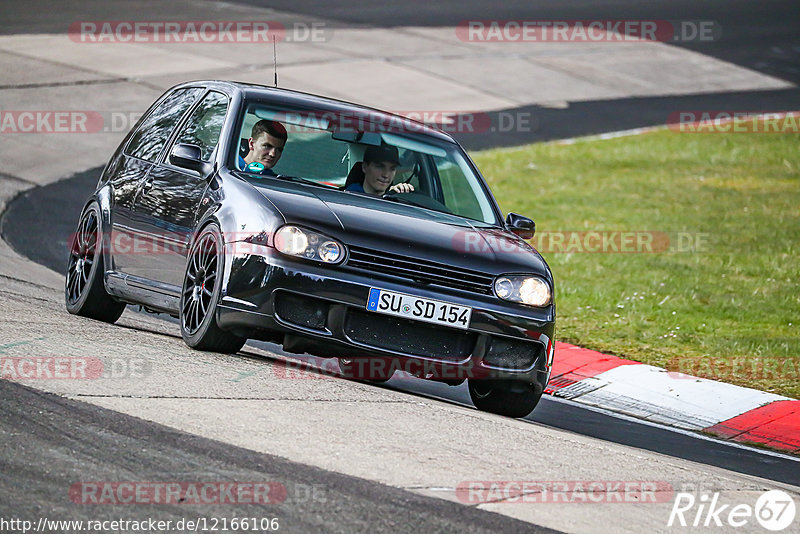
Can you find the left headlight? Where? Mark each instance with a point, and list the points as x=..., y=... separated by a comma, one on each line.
x=296, y=241
x=530, y=290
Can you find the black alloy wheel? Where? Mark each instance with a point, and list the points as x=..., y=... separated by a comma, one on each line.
x=84, y=290
x=201, y=289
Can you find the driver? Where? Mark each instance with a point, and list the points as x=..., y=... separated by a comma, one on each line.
x=266, y=143
x=374, y=176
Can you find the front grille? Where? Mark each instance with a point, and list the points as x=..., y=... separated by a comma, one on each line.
x=419, y=270
x=512, y=353
x=409, y=337
x=301, y=311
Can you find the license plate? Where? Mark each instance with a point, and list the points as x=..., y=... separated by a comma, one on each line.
x=418, y=308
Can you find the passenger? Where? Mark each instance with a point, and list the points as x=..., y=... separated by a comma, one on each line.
x=376, y=173
x=266, y=143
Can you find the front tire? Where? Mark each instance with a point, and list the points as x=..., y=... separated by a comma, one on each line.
x=495, y=397
x=84, y=290
x=202, y=283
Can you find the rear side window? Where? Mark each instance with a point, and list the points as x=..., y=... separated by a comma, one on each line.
x=156, y=128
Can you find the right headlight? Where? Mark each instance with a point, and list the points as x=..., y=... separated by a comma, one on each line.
x=296, y=241
x=530, y=290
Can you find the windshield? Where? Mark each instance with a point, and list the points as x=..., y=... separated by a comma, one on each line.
x=321, y=151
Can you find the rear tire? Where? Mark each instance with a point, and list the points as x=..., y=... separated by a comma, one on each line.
x=84, y=289
x=495, y=397
x=202, y=283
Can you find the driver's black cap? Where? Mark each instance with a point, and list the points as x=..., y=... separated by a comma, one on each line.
x=375, y=154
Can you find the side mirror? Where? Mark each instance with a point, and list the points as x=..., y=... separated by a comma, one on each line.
x=521, y=225
x=188, y=156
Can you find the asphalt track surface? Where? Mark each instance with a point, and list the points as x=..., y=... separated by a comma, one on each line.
x=758, y=35
x=51, y=442
x=59, y=204
x=761, y=36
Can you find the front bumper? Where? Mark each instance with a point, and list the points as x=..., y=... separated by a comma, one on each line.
x=322, y=310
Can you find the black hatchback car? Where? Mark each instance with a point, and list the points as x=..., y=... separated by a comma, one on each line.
x=426, y=278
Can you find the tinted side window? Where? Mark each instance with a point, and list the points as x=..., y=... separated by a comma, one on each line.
x=156, y=128
x=205, y=124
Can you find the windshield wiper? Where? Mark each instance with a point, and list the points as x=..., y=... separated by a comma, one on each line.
x=418, y=200
x=285, y=177
x=298, y=180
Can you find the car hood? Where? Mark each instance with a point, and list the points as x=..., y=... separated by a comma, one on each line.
x=377, y=224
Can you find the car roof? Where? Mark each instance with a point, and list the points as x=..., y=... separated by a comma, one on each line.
x=323, y=104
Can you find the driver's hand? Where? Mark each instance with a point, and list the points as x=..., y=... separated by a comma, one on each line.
x=401, y=188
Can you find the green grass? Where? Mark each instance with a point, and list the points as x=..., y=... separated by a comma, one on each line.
x=728, y=311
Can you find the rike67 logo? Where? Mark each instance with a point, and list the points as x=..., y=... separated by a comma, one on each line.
x=774, y=510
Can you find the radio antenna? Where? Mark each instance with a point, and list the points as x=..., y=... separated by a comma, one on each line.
x=275, y=59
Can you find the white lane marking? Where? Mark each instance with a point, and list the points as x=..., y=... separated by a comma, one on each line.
x=652, y=393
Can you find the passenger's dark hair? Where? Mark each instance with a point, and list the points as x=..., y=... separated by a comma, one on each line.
x=273, y=128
